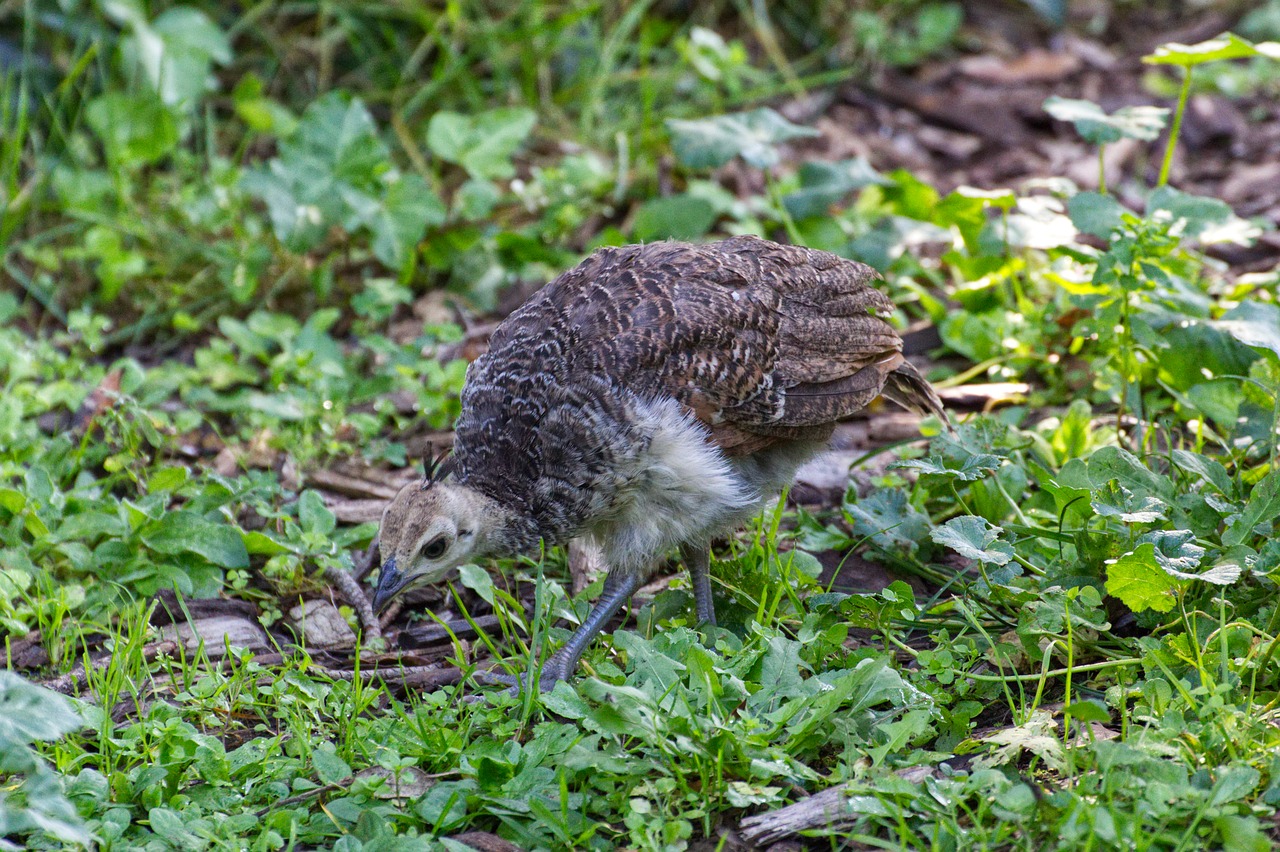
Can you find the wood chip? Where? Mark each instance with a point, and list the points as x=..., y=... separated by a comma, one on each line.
x=485, y=842
x=1034, y=66
x=351, y=486
x=321, y=625
x=216, y=633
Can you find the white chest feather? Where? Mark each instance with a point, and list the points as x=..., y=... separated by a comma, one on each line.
x=684, y=489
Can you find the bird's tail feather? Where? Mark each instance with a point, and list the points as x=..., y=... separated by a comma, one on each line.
x=905, y=386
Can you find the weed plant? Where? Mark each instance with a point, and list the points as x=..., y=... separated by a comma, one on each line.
x=217, y=226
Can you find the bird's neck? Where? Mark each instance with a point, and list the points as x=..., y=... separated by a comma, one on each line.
x=503, y=528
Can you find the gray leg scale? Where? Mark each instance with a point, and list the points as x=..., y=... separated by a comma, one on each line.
x=698, y=560
x=618, y=589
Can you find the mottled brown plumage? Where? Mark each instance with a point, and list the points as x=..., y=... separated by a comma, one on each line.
x=653, y=397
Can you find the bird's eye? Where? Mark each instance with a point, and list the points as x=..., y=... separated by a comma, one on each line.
x=435, y=548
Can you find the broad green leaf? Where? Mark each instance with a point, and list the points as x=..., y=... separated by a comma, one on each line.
x=968, y=469
x=1096, y=214
x=1140, y=583
x=12, y=500
x=1110, y=463
x=680, y=217
x=31, y=713
x=823, y=185
x=260, y=112
x=1234, y=783
x=474, y=201
x=753, y=136
x=313, y=515
x=1209, y=470
x=1253, y=323
x=477, y=580
x=483, y=144
x=1088, y=710
x=335, y=170
x=135, y=129
x=1225, y=46
x=1195, y=213
x=183, y=531
x=1115, y=501
x=1099, y=128
x=175, y=53
x=974, y=538
x=888, y=520
x=264, y=545
x=401, y=220
x=169, y=824
x=330, y=768
x=1262, y=508
x=1175, y=551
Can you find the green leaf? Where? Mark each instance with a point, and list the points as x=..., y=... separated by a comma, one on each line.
x=169, y=824
x=330, y=768
x=968, y=469
x=135, y=129
x=313, y=515
x=1115, y=501
x=401, y=220
x=1096, y=214
x=1208, y=470
x=1099, y=128
x=477, y=580
x=30, y=713
x=1263, y=507
x=1225, y=46
x=1175, y=551
x=1111, y=462
x=175, y=53
x=1253, y=323
x=823, y=185
x=1233, y=784
x=679, y=217
x=261, y=544
x=260, y=112
x=1088, y=710
x=889, y=520
x=1194, y=214
x=1140, y=583
x=336, y=171
x=474, y=201
x=187, y=532
x=12, y=500
x=483, y=144
x=974, y=538
x=753, y=136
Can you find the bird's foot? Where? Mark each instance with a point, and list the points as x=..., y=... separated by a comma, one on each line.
x=552, y=673
x=488, y=678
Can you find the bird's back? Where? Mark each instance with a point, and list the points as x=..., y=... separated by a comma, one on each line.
x=762, y=343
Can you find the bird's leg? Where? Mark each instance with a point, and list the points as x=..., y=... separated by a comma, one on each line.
x=698, y=560
x=618, y=589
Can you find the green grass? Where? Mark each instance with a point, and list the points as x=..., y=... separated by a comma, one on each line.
x=216, y=268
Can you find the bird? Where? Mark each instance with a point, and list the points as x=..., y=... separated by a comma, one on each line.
x=649, y=400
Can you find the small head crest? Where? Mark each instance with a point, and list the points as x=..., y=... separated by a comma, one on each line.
x=436, y=467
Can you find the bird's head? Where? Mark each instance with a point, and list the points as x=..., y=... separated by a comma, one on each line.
x=428, y=529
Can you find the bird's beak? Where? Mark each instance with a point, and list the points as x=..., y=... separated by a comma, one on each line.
x=390, y=583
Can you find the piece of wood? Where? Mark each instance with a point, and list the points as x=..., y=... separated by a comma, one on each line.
x=830, y=810
x=351, y=486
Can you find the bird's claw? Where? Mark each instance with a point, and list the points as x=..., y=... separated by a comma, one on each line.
x=547, y=679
